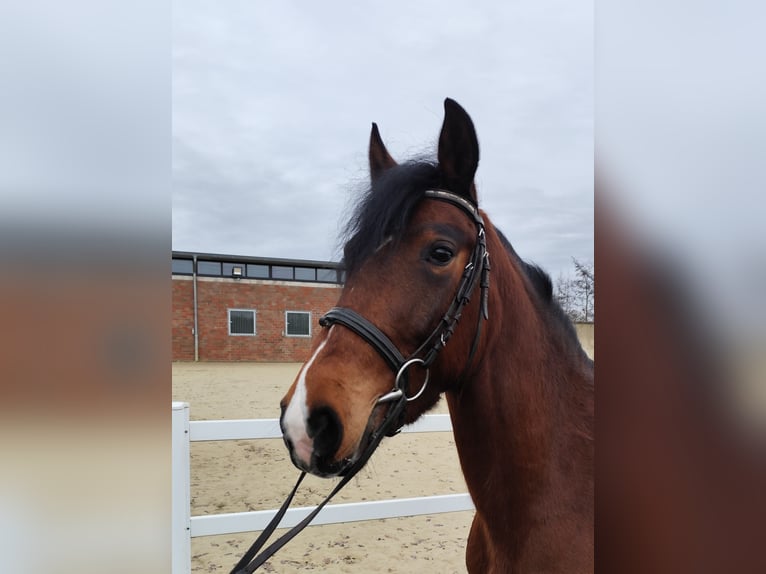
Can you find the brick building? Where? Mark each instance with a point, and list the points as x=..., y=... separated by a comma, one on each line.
x=248, y=308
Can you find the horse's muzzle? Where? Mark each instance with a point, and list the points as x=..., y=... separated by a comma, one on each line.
x=316, y=453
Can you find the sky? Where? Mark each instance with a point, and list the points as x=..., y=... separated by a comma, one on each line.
x=273, y=103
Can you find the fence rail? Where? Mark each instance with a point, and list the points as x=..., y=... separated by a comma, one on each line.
x=185, y=526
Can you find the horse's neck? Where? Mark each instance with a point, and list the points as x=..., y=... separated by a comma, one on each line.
x=523, y=430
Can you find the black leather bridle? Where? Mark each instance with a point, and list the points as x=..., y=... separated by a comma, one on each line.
x=476, y=272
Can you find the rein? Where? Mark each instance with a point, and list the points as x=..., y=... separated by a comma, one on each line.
x=249, y=562
x=476, y=272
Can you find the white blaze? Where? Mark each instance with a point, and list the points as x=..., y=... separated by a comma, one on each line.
x=297, y=413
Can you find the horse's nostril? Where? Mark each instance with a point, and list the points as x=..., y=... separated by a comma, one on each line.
x=325, y=428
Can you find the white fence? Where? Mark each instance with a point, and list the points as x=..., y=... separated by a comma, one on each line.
x=185, y=526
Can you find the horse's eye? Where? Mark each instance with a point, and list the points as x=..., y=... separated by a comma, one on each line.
x=440, y=255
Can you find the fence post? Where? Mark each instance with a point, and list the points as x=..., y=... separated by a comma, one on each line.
x=181, y=521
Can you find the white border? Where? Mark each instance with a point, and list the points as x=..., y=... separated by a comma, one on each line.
x=298, y=336
x=255, y=323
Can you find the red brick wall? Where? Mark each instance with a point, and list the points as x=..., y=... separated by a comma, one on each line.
x=269, y=299
x=183, y=320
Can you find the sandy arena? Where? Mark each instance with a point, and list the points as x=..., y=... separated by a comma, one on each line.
x=236, y=476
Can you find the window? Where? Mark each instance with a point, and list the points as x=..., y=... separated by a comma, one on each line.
x=208, y=268
x=327, y=275
x=258, y=271
x=278, y=272
x=305, y=274
x=297, y=324
x=241, y=322
x=183, y=266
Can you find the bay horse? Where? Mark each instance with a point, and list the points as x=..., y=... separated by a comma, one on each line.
x=421, y=315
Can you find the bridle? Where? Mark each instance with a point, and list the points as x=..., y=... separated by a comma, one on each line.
x=476, y=272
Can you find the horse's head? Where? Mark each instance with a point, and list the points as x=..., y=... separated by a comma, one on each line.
x=406, y=260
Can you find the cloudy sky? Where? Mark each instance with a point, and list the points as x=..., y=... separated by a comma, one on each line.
x=273, y=101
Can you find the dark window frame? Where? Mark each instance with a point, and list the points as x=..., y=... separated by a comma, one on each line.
x=280, y=268
x=298, y=268
x=181, y=260
x=265, y=271
x=250, y=271
x=207, y=274
x=325, y=271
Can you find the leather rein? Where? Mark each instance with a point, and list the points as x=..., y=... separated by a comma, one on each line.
x=476, y=272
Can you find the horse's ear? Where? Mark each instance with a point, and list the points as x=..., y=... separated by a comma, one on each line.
x=458, y=150
x=380, y=159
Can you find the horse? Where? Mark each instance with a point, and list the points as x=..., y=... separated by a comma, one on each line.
x=421, y=308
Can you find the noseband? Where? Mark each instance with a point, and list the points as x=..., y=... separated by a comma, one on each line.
x=475, y=272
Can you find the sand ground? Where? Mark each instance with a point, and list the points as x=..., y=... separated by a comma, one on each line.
x=235, y=476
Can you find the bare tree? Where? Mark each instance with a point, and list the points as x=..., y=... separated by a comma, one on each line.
x=565, y=295
x=585, y=283
x=576, y=295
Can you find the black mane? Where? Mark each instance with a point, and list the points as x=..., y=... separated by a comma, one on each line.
x=542, y=286
x=540, y=280
x=385, y=209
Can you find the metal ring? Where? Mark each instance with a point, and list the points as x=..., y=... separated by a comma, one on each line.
x=403, y=368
